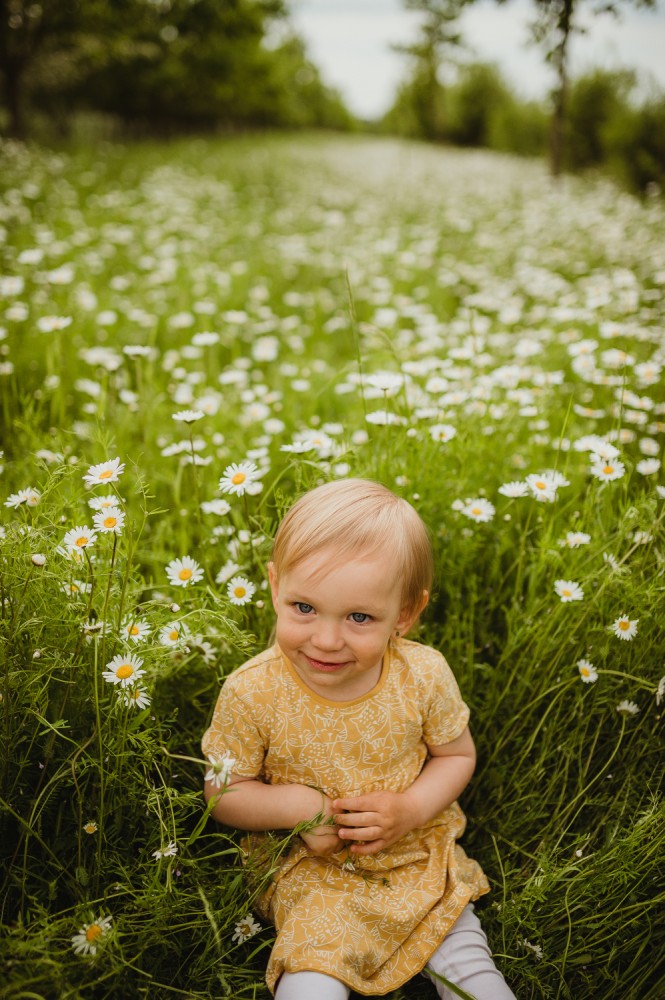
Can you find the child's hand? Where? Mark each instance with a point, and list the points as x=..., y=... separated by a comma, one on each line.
x=323, y=840
x=377, y=820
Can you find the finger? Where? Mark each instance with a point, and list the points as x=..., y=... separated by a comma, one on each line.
x=355, y=819
x=358, y=803
x=372, y=847
x=361, y=833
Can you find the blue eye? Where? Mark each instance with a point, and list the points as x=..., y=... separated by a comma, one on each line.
x=359, y=617
x=304, y=609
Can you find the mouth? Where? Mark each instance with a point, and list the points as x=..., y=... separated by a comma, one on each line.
x=323, y=666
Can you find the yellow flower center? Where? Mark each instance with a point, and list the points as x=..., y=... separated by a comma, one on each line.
x=184, y=574
x=476, y=511
x=540, y=485
x=110, y=522
x=133, y=630
x=624, y=625
x=93, y=932
x=106, y=474
x=608, y=469
x=566, y=592
x=90, y=827
x=239, y=591
x=82, y=541
x=174, y=635
x=239, y=478
x=125, y=671
x=585, y=671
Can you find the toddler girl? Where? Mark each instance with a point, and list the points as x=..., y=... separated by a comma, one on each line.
x=345, y=717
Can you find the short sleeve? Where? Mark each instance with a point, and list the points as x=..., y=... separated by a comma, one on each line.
x=234, y=732
x=447, y=714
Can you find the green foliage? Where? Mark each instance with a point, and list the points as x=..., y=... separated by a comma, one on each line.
x=490, y=326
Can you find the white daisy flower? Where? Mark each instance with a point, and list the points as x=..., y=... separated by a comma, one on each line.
x=514, y=489
x=219, y=507
x=607, y=469
x=648, y=466
x=109, y=520
x=240, y=590
x=188, y=416
x=28, y=496
x=90, y=827
x=240, y=478
x=227, y=571
x=574, y=539
x=660, y=490
x=384, y=418
x=627, y=707
x=135, y=630
x=221, y=768
x=76, y=588
x=38, y=559
x=105, y=472
x=173, y=633
x=79, y=538
x=542, y=486
x=123, y=670
x=49, y=324
x=442, y=432
x=588, y=672
x=625, y=628
x=568, y=590
x=183, y=572
x=89, y=937
x=136, y=698
x=169, y=851
x=245, y=929
x=103, y=503
x=478, y=509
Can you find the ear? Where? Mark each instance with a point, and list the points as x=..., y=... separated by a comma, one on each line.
x=408, y=616
x=274, y=590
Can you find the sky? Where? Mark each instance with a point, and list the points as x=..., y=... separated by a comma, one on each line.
x=349, y=41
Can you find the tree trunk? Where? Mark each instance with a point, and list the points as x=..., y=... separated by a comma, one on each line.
x=560, y=60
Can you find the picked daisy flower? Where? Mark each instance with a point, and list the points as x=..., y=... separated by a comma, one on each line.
x=625, y=628
x=137, y=698
x=220, y=769
x=568, y=590
x=79, y=538
x=123, y=670
x=173, y=633
x=478, y=510
x=240, y=478
x=111, y=519
x=240, y=590
x=88, y=939
x=627, y=707
x=183, y=572
x=588, y=672
x=245, y=929
x=105, y=472
x=135, y=630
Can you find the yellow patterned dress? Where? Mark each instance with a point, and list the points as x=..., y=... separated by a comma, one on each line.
x=375, y=922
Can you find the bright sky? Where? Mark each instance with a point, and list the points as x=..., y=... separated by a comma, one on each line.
x=349, y=40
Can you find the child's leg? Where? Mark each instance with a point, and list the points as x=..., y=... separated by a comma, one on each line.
x=465, y=959
x=310, y=986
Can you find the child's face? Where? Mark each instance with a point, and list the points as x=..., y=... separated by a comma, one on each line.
x=334, y=620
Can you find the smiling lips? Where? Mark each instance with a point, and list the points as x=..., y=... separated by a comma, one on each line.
x=326, y=668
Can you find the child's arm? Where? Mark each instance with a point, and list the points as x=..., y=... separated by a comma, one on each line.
x=250, y=804
x=379, y=819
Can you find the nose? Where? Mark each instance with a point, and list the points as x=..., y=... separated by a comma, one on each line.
x=327, y=636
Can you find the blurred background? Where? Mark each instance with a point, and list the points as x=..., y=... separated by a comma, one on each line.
x=579, y=81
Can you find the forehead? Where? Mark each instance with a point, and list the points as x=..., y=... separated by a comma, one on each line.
x=347, y=578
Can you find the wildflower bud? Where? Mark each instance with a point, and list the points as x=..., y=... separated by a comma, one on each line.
x=38, y=559
x=174, y=608
x=259, y=604
x=37, y=653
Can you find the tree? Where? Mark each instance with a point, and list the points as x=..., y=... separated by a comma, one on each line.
x=555, y=23
x=438, y=34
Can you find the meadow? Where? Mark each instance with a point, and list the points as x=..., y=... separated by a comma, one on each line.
x=191, y=334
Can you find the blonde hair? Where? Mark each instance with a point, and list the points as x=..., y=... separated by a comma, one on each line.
x=352, y=516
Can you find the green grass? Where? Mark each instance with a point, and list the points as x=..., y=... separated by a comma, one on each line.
x=501, y=303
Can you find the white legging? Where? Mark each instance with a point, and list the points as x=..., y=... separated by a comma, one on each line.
x=463, y=957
